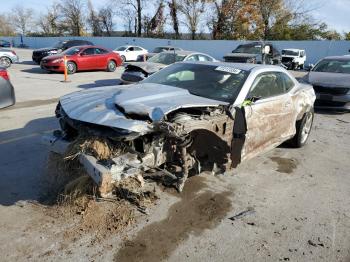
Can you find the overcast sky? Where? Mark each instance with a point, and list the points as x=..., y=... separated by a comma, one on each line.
x=333, y=12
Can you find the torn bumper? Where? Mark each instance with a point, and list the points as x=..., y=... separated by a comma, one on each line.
x=106, y=173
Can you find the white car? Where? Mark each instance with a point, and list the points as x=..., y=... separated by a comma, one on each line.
x=293, y=58
x=130, y=52
x=8, y=57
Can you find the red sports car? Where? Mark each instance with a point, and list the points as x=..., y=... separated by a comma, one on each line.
x=81, y=58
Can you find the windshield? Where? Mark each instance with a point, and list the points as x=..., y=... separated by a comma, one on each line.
x=71, y=51
x=159, y=49
x=221, y=83
x=122, y=48
x=166, y=58
x=290, y=52
x=58, y=45
x=333, y=66
x=249, y=49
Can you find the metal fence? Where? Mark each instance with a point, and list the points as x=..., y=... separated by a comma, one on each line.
x=315, y=50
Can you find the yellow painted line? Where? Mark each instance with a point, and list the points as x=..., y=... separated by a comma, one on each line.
x=11, y=140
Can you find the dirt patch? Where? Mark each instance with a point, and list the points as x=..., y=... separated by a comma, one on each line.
x=100, y=219
x=72, y=200
x=196, y=211
x=285, y=165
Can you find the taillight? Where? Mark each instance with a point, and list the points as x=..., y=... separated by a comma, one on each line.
x=4, y=74
x=13, y=52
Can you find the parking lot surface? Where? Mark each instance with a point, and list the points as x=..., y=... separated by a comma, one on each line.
x=298, y=200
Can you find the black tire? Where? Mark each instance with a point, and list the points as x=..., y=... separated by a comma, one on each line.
x=303, y=129
x=111, y=66
x=71, y=68
x=123, y=59
x=301, y=67
x=295, y=66
x=5, y=61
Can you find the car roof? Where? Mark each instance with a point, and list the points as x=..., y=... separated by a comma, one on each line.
x=241, y=66
x=166, y=46
x=182, y=52
x=343, y=57
x=293, y=49
x=90, y=46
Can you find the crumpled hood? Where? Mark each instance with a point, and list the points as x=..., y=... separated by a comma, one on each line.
x=329, y=79
x=148, y=67
x=247, y=55
x=116, y=106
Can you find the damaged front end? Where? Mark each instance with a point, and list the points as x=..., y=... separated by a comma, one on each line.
x=152, y=142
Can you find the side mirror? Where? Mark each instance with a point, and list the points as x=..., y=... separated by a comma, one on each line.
x=310, y=67
x=83, y=54
x=266, y=49
x=253, y=99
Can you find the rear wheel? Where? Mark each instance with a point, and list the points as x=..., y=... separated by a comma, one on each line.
x=303, y=129
x=5, y=61
x=111, y=66
x=71, y=68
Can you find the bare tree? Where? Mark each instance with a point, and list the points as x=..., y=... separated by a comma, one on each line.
x=73, y=13
x=6, y=29
x=50, y=23
x=173, y=6
x=155, y=25
x=192, y=11
x=132, y=7
x=94, y=20
x=106, y=20
x=22, y=18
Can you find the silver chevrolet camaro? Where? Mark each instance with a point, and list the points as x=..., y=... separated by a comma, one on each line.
x=186, y=118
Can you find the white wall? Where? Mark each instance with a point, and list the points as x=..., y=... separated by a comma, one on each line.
x=315, y=50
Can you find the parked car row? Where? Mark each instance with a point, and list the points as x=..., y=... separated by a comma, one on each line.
x=329, y=77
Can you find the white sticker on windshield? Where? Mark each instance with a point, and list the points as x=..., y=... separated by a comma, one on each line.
x=228, y=69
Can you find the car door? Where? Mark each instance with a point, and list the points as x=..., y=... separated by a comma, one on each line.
x=138, y=52
x=269, y=120
x=101, y=58
x=130, y=54
x=86, y=60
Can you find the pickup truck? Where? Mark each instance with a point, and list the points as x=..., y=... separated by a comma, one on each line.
x=293, y=58
x=255, y=53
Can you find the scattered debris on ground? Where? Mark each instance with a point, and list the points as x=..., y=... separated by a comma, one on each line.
x=249, y=211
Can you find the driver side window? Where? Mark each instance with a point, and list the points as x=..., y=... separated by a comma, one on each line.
x=267, y=85
x=89, y=51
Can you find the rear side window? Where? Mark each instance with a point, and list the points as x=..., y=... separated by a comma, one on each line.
x=204, y=58
x=192, y=58
x=100, y=51
x=270, y=84
x=136, y=48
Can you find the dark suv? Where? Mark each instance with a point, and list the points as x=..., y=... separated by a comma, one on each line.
x=60, y=46
x=254, y=53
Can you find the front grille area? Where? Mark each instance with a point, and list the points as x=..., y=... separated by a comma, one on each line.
x=331, y=90
x=326, y=103
x=287, y=59
x=236, y=59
